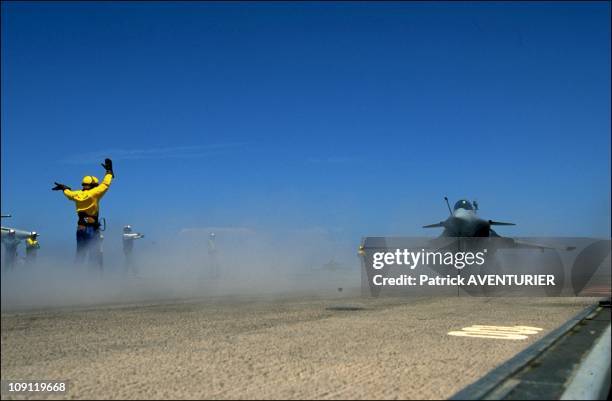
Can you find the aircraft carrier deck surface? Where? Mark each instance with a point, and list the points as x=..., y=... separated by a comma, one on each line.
x=336, y=346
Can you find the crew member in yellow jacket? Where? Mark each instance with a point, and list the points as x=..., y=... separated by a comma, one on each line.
x=32, y=246
x=87, y=202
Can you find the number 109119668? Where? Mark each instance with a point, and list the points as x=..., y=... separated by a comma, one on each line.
x=34, y=386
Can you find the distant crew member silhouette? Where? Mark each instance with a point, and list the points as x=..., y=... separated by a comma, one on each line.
x=10, y=242
x=129, y=237
x=212, y=255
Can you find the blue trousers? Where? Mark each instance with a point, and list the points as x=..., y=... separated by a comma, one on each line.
x=89, y=246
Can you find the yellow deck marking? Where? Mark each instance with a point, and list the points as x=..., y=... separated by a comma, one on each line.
x=497, y=332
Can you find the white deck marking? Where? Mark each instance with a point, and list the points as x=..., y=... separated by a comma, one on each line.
x=497, y=332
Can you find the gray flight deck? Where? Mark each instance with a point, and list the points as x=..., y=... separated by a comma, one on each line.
x=286, y=347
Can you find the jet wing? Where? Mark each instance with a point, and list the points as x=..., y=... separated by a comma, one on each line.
x=443, y=224
x=500, y=223
x=436, y=225
x=533, y=245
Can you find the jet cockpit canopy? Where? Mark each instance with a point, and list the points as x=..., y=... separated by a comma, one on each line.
x=463, y=204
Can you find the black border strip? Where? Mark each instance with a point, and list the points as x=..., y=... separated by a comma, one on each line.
x=483, y=386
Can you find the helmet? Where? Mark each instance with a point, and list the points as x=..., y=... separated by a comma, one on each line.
x=90, y=180
x=127, y=229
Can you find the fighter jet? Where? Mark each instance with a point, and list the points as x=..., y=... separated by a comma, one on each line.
x=464, y=222
x=464, y=230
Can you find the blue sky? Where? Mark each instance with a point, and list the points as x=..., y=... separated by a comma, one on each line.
x=351, y=117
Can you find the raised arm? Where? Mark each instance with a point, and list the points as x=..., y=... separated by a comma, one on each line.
x=102, y=187
x=108, y=178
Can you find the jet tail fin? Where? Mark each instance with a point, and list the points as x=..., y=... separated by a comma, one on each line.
x=441, y=224
x=500, y=223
